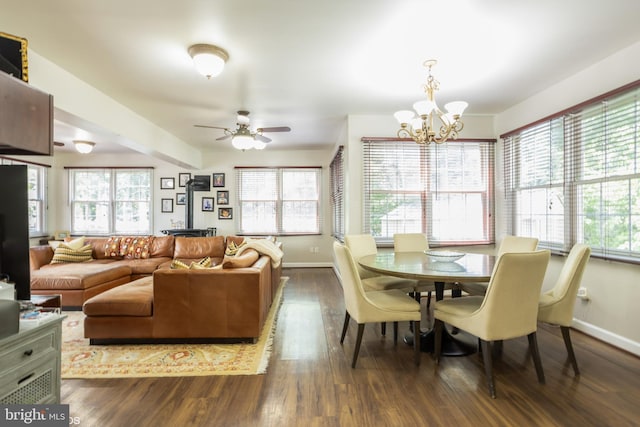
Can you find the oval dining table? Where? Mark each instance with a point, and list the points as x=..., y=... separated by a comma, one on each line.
x=471, y=267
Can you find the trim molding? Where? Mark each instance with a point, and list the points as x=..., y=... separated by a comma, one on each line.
x=607, y=336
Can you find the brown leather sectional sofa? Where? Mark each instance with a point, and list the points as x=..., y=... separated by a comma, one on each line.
x=146, y=300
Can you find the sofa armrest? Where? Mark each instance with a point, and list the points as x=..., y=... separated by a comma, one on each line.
x=39, y=256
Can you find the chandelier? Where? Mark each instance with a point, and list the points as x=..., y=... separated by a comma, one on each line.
x=421, y=128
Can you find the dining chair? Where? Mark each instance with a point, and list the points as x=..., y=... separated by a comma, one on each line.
x=508, y=310
x=508, y=244
x=556, y=305
x=416, y=242
x=391, y=305
x=361, y=245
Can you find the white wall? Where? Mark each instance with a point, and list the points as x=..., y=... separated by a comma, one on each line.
x=613, y=288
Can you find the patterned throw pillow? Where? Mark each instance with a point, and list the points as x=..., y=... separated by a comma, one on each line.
x=195, y=265
x=64, y=253
x=179, y=265
x=112, y=247
x=232, y=248
x=135, y=247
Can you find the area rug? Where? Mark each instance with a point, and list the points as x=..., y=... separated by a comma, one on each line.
x=81, y=360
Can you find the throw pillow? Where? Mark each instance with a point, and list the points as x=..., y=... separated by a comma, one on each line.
x=179, y=265
x=232, y=247
x=135, y=247
x=64, y=253
x=76, y=243
x=112, y=247
x=245, y=259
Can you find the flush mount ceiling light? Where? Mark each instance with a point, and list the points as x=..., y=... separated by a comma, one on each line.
x=84, y=147
x=208, y=59
x=422, y=128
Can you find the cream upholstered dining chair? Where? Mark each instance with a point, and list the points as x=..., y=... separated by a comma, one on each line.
x=556, y=305
x=508, y=244
x=391, y=305
x=416, y=242
x=361, y=245
x=508, y=310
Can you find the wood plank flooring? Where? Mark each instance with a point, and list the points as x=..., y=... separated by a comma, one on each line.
x=309, y=381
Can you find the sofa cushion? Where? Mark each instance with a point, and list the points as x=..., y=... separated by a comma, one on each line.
x=112, y=247
x=196, y=248
x=245, y=259
x=131, y=299
x=162, y=246
x=135, y=247
x=65, y=253
x=77, y=276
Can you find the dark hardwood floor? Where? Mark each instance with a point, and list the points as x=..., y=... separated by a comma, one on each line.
x=310, y=382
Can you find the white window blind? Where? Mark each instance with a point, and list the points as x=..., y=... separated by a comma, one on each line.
x=336, y=183
x=442, y=190
x=279, y=201
x=575, y=177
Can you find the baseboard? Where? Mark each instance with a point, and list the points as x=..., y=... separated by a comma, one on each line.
x=607, y=336
x=306, y=264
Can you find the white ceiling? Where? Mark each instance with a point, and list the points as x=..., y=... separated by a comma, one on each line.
x=308, y=64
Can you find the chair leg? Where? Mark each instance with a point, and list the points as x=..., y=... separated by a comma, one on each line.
x=428, y=300
x=383, y=328
x=567, y=343
x=416, y=341
x=358, y=341
x=395, y=332
x=437, y=325
x=533, y=345
x=347, y=316
x=488, y=366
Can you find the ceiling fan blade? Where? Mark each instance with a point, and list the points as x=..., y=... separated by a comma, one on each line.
x=58, y=144
x=275, y=129
x=262, y=138
x=222, y=138
x=210, y=127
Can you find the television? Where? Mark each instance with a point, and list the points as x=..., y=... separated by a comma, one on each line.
x=14, y=228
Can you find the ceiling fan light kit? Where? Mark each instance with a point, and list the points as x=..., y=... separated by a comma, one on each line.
x=208, y=59
x=84, y=147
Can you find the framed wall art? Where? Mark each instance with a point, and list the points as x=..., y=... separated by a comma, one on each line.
x=218, y=180
x=222, y=197
x=225, y=213
x=166, y=205
x=181, y=198
x=207, y=204
x=167, y=183
x=183, y=178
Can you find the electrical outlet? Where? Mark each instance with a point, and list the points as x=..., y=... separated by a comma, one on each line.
x=582, y=293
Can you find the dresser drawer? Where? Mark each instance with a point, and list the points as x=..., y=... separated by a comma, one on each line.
x=28, y=350
x=34, y=383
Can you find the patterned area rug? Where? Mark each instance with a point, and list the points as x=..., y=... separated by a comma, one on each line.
x=81, y=360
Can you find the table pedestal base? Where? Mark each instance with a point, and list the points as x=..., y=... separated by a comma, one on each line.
x=451, y=346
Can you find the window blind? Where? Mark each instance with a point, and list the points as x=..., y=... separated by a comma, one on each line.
x=336, y=182
x=575, y=177
x=444, y=191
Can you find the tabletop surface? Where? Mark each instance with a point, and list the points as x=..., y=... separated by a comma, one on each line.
x=417, y=265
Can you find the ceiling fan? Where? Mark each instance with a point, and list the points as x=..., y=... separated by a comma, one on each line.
x=243, y=138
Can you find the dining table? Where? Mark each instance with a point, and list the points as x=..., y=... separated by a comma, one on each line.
x=429, y=266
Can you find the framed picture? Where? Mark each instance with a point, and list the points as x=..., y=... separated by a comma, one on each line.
x=225, y=213
x=207, y=204
x=13, y=51
x=166, y=205
x=181, y=198
x=61, y=235
x=218, y=180
x=223, y=197
x=183, y=178
x=202, y=183
x=167, y=183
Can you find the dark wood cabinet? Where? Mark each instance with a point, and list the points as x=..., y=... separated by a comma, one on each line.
x=26, y=118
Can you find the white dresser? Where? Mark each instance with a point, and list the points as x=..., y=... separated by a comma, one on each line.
x=30, y=364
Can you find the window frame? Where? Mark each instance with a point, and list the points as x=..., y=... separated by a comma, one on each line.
x=277, y=200
x=41, y=199
x=110, y=201
x=419, y=164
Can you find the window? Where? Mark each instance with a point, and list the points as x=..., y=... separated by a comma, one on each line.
x=336, y=183
x=279, y=201
x=37, y=194
x=444, y=191
x=575, y=177
x=110, y=201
